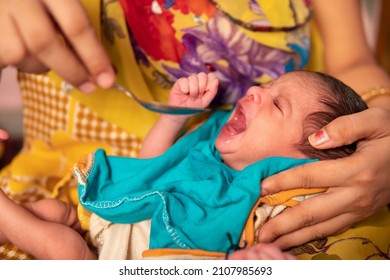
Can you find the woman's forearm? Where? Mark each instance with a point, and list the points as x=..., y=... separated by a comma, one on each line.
x=347, y=55
x=366, y=77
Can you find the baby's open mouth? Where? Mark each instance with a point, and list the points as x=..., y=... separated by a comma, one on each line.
x=237, y=124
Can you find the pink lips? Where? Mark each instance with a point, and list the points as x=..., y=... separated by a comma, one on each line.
x=237, y=124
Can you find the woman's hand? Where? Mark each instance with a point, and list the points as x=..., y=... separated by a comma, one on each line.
x=358, y=185
x=38, y=35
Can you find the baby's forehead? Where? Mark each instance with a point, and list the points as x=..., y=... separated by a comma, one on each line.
x=303, y=91
x=297, y=76
x=299, y=83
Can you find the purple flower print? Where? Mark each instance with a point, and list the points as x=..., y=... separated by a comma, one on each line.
x=235, y=58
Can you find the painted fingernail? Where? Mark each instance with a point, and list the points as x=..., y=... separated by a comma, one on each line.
x=318, y=138
x=87, y=87
x=105, y=80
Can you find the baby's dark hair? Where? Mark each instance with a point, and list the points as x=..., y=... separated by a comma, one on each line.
x=338, y=100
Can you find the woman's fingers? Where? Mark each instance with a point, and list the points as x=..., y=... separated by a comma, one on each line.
x=32, y=65
x=311, y=175
x=323, y=214
x=13, y=51
x=359, y=186
x=369, y=124
x=34, y=43
x=368, y=165
x=364, y=172
x=318, y=231
x=79, y=32
x=42, y=41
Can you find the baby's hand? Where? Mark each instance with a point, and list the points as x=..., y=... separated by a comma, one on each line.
x=195, y=91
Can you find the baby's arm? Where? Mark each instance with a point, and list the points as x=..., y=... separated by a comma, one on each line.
x=195, y=91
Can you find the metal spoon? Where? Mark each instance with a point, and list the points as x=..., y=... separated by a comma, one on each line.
x=160, y=107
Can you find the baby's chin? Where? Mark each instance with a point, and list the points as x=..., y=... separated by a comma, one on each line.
x=228, y=154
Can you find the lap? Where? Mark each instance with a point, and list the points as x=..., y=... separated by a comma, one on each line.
x=367, y=240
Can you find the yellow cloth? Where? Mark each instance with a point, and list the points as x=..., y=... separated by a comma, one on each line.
x=366, y=240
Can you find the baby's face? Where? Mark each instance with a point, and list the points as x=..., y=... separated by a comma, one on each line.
x=268, y=121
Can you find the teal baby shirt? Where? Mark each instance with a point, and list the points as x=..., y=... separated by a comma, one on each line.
x=192, y=197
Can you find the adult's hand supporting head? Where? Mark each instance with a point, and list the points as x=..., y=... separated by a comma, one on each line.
x=31, y=41
x=358, y=185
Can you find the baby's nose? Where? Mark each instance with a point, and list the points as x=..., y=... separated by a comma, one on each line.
x=254, y=96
